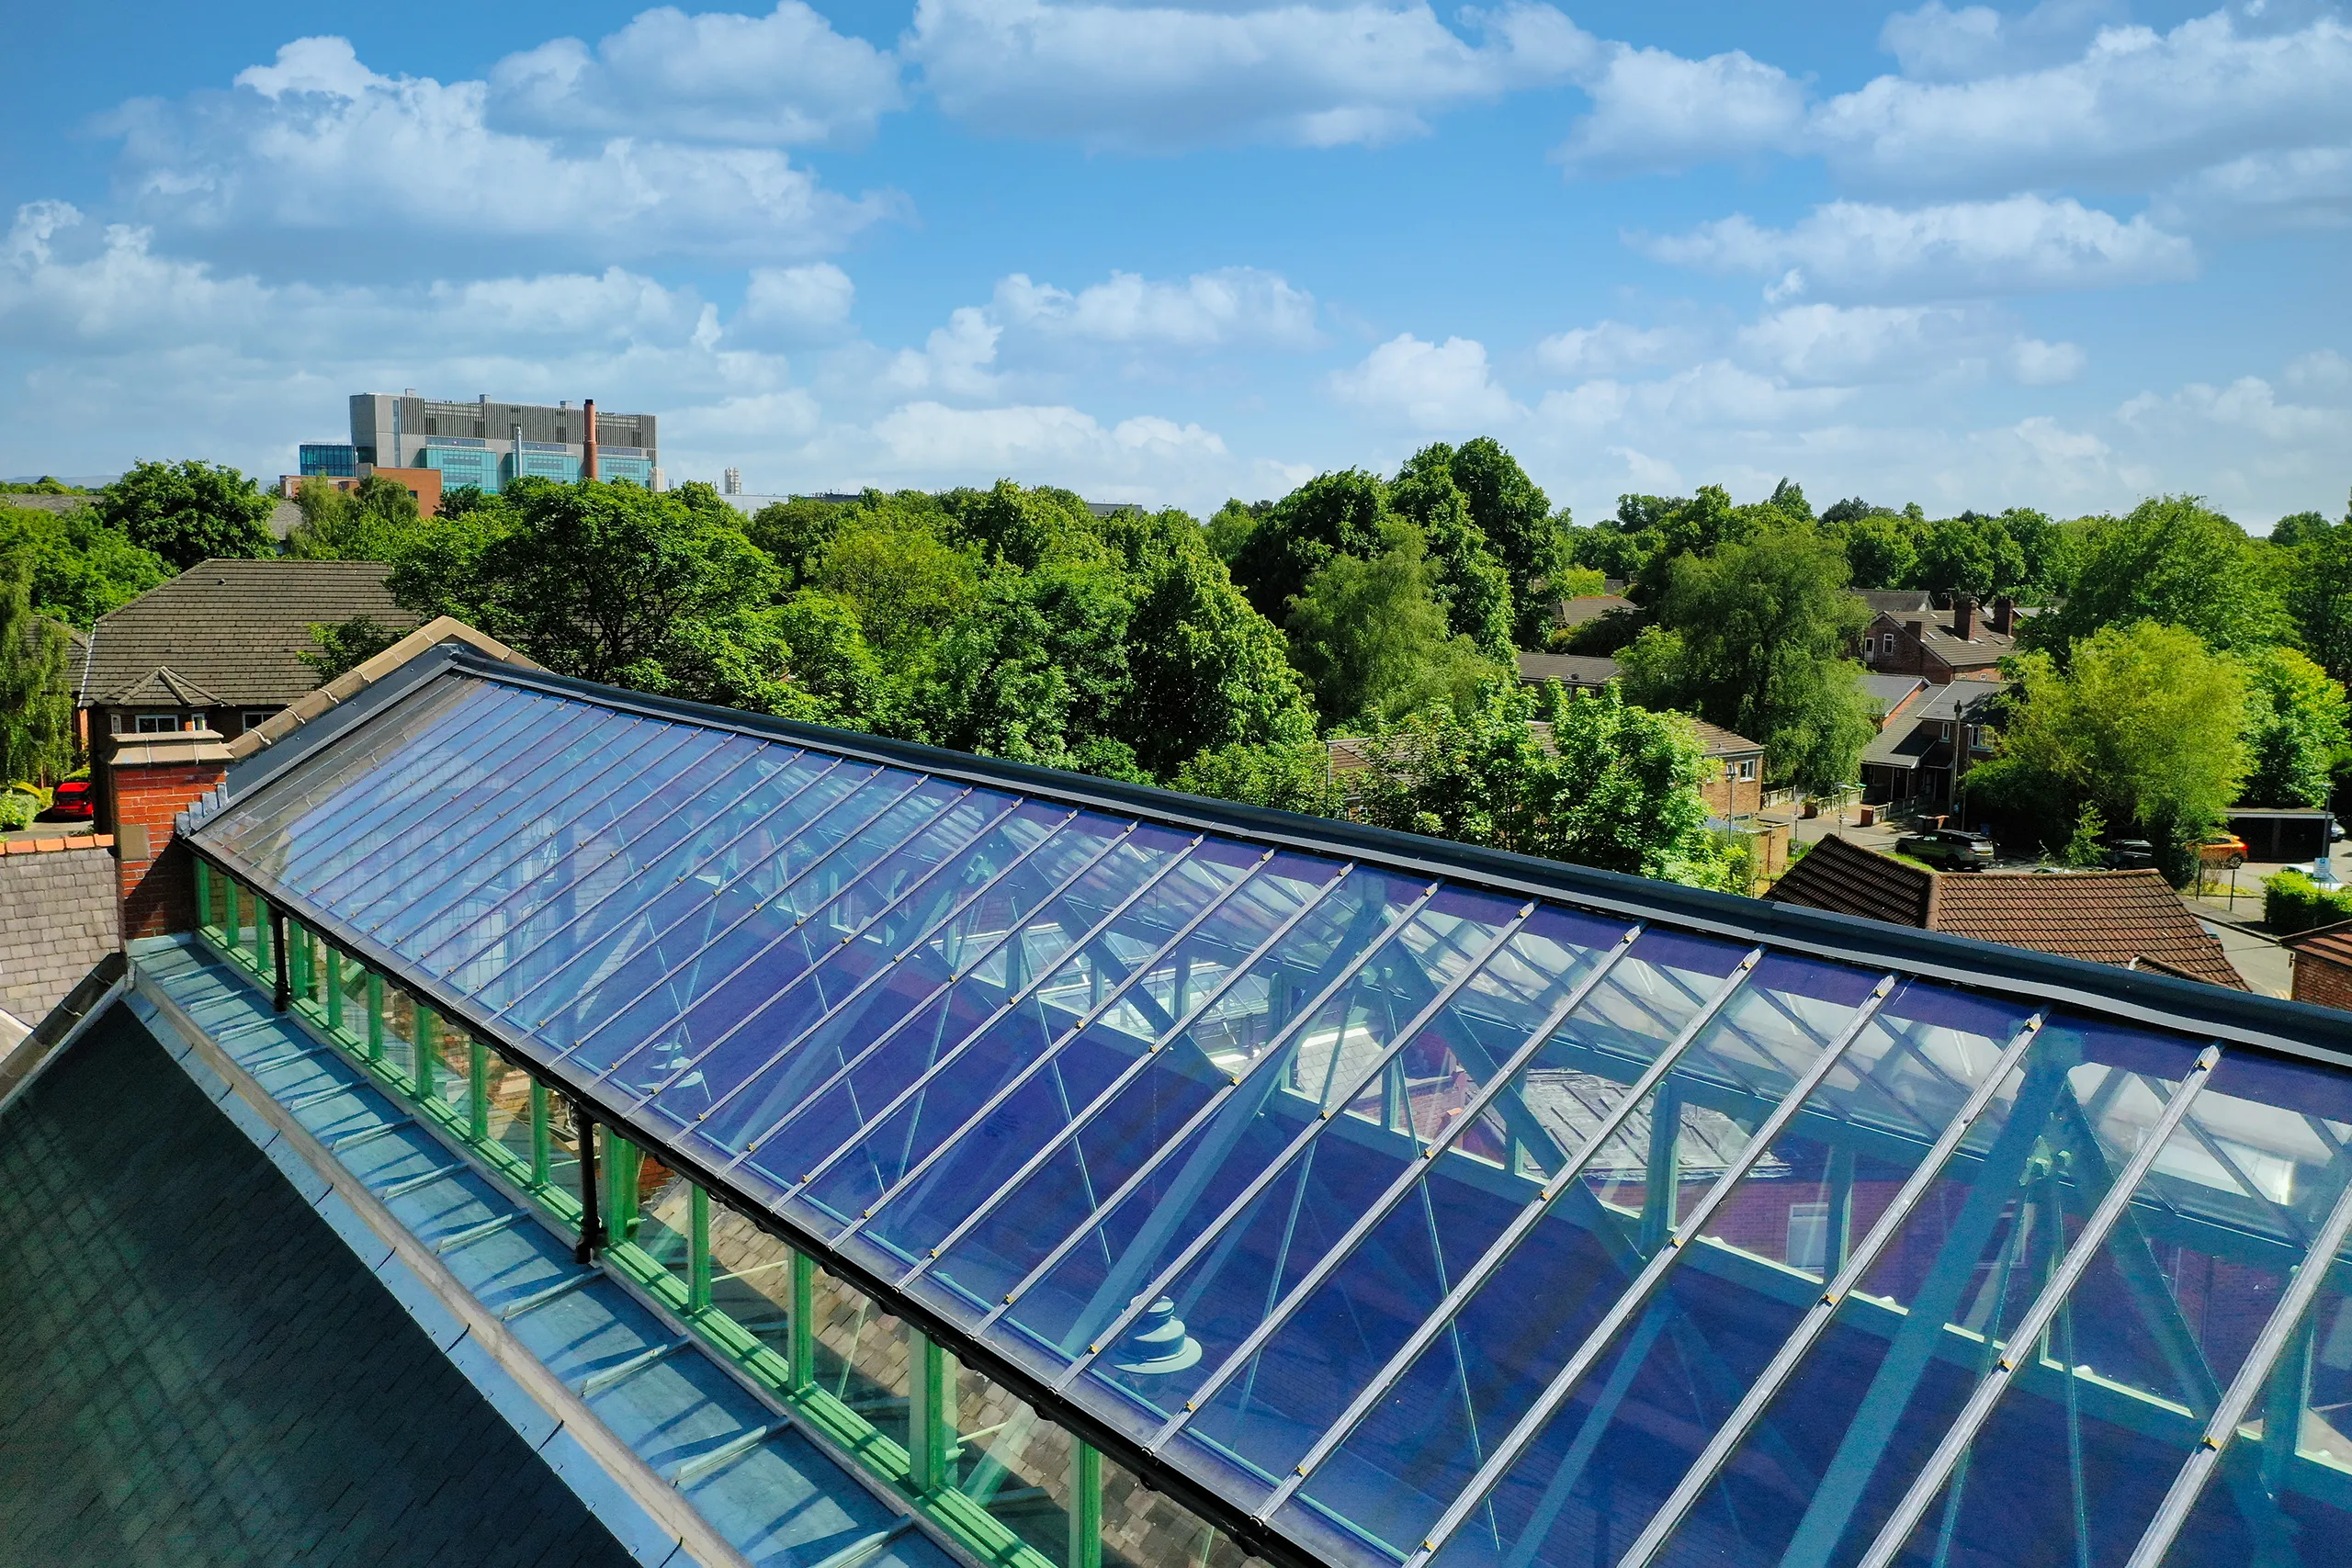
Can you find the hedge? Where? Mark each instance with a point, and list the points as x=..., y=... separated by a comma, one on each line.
x=2292, y=902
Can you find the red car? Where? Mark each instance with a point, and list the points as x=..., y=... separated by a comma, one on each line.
x=72, y=803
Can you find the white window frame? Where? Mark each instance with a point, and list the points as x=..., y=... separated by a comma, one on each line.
x=157, y=723
x=1747, y=767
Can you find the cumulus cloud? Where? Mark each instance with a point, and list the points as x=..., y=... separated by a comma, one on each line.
x=1653, y=110
x=1158, y=78
x=1426, y=386
x=1936, y=43
x=1023, y=439
x=316, y=142
x=2303, y=187
x=1607, y=348
x=2022, y=242
x=798, y=303
x=781, y=79
x=1237, y=306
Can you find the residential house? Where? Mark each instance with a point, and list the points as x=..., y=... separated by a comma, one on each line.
x=1889, y=696
x=217, y=647
x=1942, y=646
x=2323, y=964
x=1584, y=608
x=2129, y=919
x=1927, y=747
x=1577, y=671
x=1895, y=602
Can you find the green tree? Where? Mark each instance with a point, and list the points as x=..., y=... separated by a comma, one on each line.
x=1601, y=783
x=1518, y=525
x=836, y=677
x=347, y=645
x=2295, y=728
x=605, y=582
x=1330, y=514
x=2146, y=725
x=1880, y=546
x=1467, y=580
x=1036, y=668
x=1371, y=639
x=2172, y=560
x=1293, y=775
x=906, y=581
x=796, y=534
x=81, y=568
x=1231, y=527
x=1206, y=671
x=189, y=511
x=1967, y=554
x=1753, y=637
x=376, y=519
x=2319, y=587
x=35, y=698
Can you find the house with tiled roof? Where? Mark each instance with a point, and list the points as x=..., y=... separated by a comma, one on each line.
x=1941, y=646
x=2323, y=964
x=2129, y=919
x=1577, y=671
x=1924, y=750
x=217, y=647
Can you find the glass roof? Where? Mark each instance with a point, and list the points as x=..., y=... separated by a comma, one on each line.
x=1412, y=1219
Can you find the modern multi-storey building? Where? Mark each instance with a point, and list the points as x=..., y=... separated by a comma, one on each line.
x=488, y=444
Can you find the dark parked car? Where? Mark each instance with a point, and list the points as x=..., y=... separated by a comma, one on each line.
x=1948, y=847
x=2131, y=854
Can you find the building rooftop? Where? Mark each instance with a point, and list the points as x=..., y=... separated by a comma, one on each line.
x=1586, y=607
x=2120, y=918
x=1887, y=692
x=1251, y=1148
x=1569, y=669
x=229, y=632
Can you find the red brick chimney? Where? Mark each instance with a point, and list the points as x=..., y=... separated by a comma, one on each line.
x=151, y=779
x=589, y=467
x=1963, y=616
x=2004, y=614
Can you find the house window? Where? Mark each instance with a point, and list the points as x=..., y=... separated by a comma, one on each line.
x=1747, y=768
x=1808, y=1236
x=155, y=723
x=252, y=718
x=1946, y=728
x=1886, y=644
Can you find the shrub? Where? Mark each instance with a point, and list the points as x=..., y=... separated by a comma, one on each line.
x=2292, y=902
x=16, y=809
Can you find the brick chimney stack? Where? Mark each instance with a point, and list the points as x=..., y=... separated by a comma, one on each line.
x=151, y=780
x=589, y=410
x=1963, y=616
x=2005, y=614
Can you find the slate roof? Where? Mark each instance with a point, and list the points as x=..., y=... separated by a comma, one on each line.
x=1568, y=669
x=202, y=1373
x=229, y=631
x=1984, y=647
x=2129, y=919
x=1587, y=607
x=1887, y=692
x=1897, y=601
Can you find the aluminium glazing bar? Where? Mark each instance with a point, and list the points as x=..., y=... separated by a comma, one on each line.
x=1501, y=1248
x=1499, y=1083
x=1823, y=1311
x=955, y=1053
x=1126, y=1075
x=496, y=842
x=1300, y=1143
x=1013, y=932
x=620, y=888
x=1637, y=1296
x=2254, y=1375
x=522, y=888
x=2025, y=1339
x=1136, y=976
x=944, y=863
x=1272, y=1054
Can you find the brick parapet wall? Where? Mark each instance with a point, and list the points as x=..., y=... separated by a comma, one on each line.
x=58, y=917
x=2322, y=981
x=157, y=873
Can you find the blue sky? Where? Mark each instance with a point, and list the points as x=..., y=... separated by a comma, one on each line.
x=2063, y=256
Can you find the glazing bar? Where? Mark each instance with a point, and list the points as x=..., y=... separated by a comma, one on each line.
x=2022, y=1342
x=1126, y=1076
x=1637, y=1296
x=2278, y=1333
x=1817, y=1320
x=1504, y=1077
x=1501, y=1248
x=1299, y=1144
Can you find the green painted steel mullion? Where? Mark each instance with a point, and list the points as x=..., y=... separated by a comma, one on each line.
x=623, y=1159
x=542, y=1154
x=929, y=1428
x=375, y=1017
x=261, y=935
x=697, y=1250
x=203, y=895
x=478, y=1090
x=802, y=1330
x=1085, y=1505
x=335, y=986
x=422, y=1032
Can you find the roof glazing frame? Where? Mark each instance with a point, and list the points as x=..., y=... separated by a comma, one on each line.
x=1609, y=896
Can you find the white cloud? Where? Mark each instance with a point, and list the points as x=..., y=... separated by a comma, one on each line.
x=798, y=303
x=2022, y=242
x=1934, y=43
x=2248, y=406
x=1231, y=307
x=1427, y=386
x=1654, y=111
x=2038, y=364
x=933, y=437
x=318, y=144
x=954, y=360
x=2303, y=187
x=1157, y=78
x=1607, y=348
x=781, y=79
x=2321, y=370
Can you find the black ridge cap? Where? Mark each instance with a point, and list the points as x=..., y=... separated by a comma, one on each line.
x=2153, y=999
x=2298, y=1029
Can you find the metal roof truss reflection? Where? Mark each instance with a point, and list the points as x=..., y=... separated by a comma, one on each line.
x=1386, y=1200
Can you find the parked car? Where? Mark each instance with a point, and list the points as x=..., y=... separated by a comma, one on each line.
x=72, y=803
x=2224, y=849
x=2131, y=854
x=1948, y=847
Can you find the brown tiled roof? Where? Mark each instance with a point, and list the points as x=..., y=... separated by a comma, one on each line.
x=1982, y=648
x=2331, y=943
x=2129, y=919
x=1847, y=879
x=1722, y=743
x=231, y=631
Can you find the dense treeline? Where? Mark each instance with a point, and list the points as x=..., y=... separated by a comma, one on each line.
x=1018, y=623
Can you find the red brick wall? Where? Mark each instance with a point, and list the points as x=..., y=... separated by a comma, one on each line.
x=158, y=887
x=1729, y=795
x=2323, y=981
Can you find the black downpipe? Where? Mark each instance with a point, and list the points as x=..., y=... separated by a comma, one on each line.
x=591, y=1218
x=285, y=995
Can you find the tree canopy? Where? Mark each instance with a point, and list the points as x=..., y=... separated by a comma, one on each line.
x=35, y=698
x=2171, y=560
x=2295, y=729
x=79, y=566
x=189, y=511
